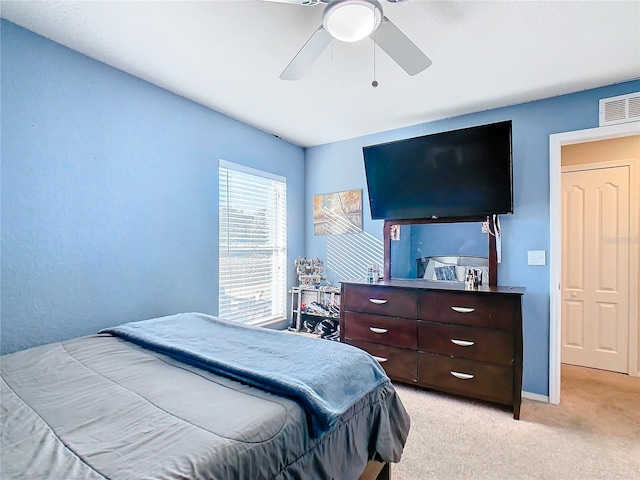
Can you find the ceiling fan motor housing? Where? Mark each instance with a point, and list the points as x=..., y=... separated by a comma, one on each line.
x=351, y=20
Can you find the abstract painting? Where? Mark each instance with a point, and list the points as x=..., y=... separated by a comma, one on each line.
x=337, y=213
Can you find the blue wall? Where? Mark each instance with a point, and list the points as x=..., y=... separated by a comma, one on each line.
x=109, y=194
x=339, y=166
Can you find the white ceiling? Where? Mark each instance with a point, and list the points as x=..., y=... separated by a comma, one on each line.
x=227, y=55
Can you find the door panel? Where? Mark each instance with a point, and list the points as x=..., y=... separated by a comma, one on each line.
x=574, y=319
x=608, y=198
x=607, y=332
x=573, y=237
x=595, y=268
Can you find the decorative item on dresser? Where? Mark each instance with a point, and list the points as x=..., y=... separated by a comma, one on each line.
x=440, y=336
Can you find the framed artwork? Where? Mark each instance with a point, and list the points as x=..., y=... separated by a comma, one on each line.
x=337, y=213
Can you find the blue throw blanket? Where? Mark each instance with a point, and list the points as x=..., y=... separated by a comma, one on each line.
x=325, y=377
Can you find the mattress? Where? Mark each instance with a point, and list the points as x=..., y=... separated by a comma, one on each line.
x=103, y=407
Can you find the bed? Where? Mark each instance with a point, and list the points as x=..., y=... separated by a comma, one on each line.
x=191, y=396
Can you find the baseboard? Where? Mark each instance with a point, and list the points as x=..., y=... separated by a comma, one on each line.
x=276, y=324
x=535, y=396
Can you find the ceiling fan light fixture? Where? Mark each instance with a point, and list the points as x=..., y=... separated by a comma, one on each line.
x=351, y=20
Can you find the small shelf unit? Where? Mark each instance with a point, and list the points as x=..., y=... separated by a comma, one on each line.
x=305, y=302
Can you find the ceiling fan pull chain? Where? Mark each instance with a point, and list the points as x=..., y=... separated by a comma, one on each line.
x=374, y=84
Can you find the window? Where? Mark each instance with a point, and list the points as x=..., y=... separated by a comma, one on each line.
x=253, y=244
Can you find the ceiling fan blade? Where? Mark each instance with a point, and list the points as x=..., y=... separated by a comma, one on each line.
x=398, y=46
x=308, y=3
x=308, y=54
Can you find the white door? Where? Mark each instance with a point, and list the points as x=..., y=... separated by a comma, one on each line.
x=595, y=267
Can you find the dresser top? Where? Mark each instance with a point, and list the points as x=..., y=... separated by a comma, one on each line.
x=430, y=285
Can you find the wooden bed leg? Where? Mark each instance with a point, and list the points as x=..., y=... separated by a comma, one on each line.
x=376, y=471
x=385, y=473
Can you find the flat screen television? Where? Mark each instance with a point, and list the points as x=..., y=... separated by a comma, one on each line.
x=460, y=173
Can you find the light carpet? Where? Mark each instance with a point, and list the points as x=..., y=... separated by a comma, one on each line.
x=456, y=438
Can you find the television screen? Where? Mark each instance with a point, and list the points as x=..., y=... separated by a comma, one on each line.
x=461, y=173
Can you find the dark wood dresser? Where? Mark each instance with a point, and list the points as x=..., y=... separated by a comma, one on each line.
x=440, y=336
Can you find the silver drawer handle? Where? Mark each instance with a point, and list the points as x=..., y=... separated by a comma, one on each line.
x=463, y=376
x=463, y=309
x=378, y=330
x=462, y=343
x=377, y=301
x=380, y=359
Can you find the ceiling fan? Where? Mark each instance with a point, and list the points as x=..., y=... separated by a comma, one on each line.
x=351, y=21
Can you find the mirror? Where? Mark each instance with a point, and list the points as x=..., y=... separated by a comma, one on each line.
x=411, y=245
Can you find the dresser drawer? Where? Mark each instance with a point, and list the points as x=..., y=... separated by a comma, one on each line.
x=392, y=331
x=379, y=300
x=466, y=377
x=474, y=343
x=483, y=310
x=398, y=363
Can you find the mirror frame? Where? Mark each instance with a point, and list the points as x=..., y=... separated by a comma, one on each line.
x=493, y=257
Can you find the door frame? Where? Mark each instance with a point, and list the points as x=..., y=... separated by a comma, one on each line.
x=556, y=141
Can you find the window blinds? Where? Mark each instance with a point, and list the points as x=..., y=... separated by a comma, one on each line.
x=253, y=249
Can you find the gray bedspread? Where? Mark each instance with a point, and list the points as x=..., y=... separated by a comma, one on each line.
x=101, y=407
x=325, y=378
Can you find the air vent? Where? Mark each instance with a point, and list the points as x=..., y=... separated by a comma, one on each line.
x=620, y=109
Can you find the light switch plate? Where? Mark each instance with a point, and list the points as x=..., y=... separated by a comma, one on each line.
x=537, y=257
